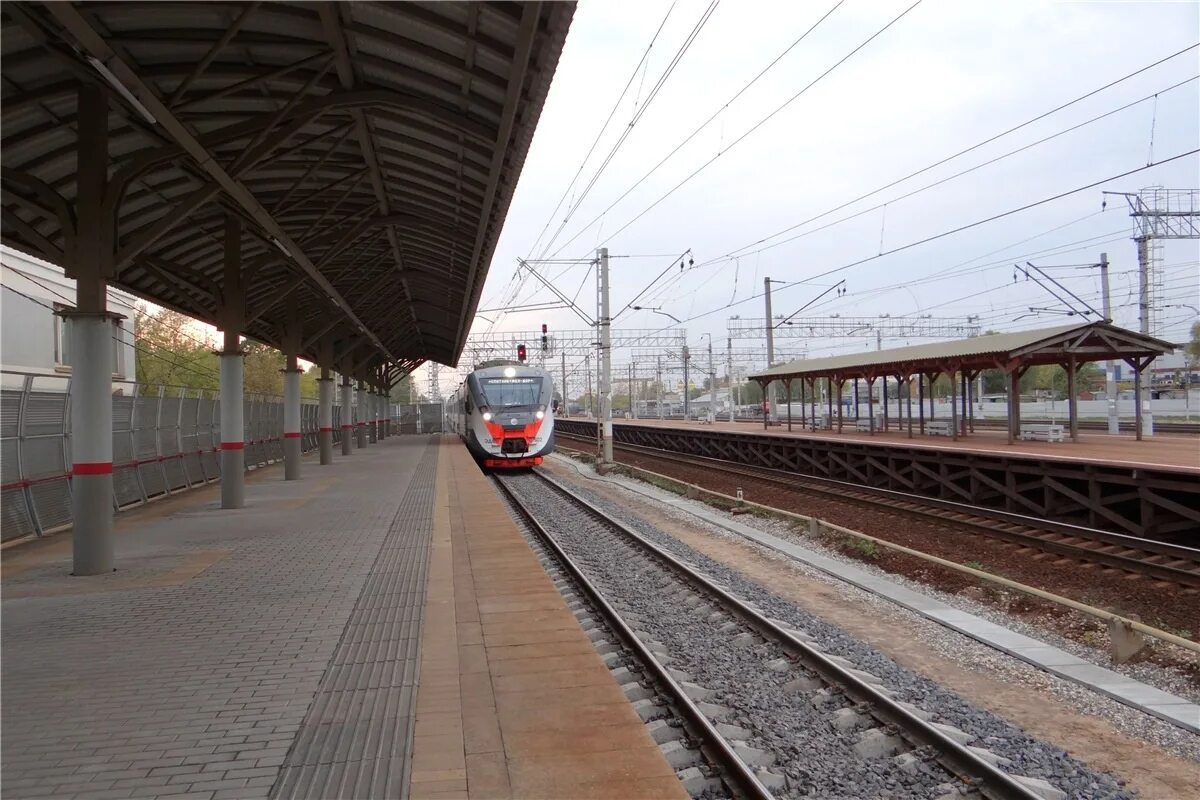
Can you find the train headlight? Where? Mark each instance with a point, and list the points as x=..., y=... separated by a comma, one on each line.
x=540, y=414
x=509, y=372
x=487, y=416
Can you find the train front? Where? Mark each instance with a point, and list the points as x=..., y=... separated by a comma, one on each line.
x=510, y=417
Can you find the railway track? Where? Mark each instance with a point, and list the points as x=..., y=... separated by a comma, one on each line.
x=990, y=424
x=875, y=737
x=1161, y=561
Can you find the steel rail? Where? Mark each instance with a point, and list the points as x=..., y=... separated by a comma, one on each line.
x=717, y=747
x=993, y=523
x=992, y=781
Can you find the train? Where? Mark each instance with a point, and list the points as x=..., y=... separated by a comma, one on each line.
x=504, y=412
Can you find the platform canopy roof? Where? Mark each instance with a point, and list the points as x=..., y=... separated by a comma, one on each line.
x=367, y=153
x=1094, y=341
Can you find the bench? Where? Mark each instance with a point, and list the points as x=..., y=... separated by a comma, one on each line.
x=1042, y=432
x=939, y=427
x=865, y=424
x=821, y=424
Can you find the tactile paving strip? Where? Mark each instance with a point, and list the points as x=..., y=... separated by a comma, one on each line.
x=354, y=741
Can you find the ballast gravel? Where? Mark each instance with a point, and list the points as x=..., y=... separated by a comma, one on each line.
x=954, y=645
x=817, y=758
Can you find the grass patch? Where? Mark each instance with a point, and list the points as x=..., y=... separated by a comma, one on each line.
x=979, y=565
x=860, y=547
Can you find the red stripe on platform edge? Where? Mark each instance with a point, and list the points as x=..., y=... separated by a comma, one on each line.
x=96, y=468
x=233, y=445
x=347, y=427
x=330, y=430
x=295, y=435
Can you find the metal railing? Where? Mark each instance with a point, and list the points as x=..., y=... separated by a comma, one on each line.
x=165, y=440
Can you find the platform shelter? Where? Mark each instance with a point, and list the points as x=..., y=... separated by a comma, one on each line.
x=1068, y=346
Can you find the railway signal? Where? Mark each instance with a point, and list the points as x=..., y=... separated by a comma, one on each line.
x=545, y=338
x=521, y=353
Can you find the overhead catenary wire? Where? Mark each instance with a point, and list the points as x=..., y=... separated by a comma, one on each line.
x=633, y=122
x=950, y=232
x=739, y=254
x=746, y=87
x=976, y=146
x=758, y=124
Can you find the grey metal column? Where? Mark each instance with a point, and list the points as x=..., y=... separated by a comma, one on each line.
x=360, y=425
x=90, y=336
x=347, y=416
x=372, y=416
x=90, y=339
x=291, y=420
x=233, y=317
x=325, y=416
x=233, y=431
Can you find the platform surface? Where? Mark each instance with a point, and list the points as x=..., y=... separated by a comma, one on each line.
x=1166, y=451
x=291, y=649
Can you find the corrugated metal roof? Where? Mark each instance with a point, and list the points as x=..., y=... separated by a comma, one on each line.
x=976, y=347
x=381, y=142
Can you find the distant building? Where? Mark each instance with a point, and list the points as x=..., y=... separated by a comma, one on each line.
x=32, y=338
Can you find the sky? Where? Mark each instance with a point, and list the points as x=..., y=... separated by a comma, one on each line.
x=943, y=77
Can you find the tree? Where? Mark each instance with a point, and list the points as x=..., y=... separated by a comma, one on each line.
x=262, y=369
x=1192, y=348
x=170, y=355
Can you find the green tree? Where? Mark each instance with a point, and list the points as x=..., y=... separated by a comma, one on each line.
x=169, y=354
x=262, y=369
x=1192, y=348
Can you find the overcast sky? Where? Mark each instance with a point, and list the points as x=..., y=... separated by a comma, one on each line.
x=944, y=77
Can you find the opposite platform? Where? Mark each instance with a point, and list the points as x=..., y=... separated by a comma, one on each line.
x=277, y=650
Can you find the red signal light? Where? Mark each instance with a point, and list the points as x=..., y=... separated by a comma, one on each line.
x=544, y=329
x=520, y=352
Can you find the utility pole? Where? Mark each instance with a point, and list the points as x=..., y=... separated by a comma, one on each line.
x=604, y=323
x=1110, y=377
x=658, y=380
x=587, y=369
x=565, y=403
x=712, y=385
x=686, y=357
x=729, y=378
x=773, y=408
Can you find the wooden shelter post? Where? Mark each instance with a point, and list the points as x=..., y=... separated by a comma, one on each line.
x=953, y=375
x=1072, y=401
x=787, y=387
x=907, y=399
x=871, y=404
x=921, y=401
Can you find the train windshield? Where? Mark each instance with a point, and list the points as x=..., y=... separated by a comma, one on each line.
x=512, y=392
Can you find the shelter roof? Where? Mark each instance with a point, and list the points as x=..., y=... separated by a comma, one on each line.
x=370, y=151
x=1086, y=342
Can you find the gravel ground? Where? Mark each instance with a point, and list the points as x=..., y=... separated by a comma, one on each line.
x=817, y=759
x=1166, y=606
x=961, y=648
x=740, y=674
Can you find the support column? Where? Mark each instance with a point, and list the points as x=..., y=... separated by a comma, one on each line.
x=90, y=336
x=803, y=405
x=840, y=386
x=1137, y=397
x=870, y=403
x=908, y=403
x=953, y=406
x=291, y=420
x=787, y=386
x=233, y=427
x=1072, y=409
x=325, y=416
x=920, y=401
x=233, y=317
x=884, y=399
x=360, y=425
x=372, y=416
x=347, y=416
x=89, y=260
x=1014, y=405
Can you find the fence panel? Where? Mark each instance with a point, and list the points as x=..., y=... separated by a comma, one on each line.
x=164, y=440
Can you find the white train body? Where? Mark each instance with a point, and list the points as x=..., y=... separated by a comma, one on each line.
x=504, y=411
